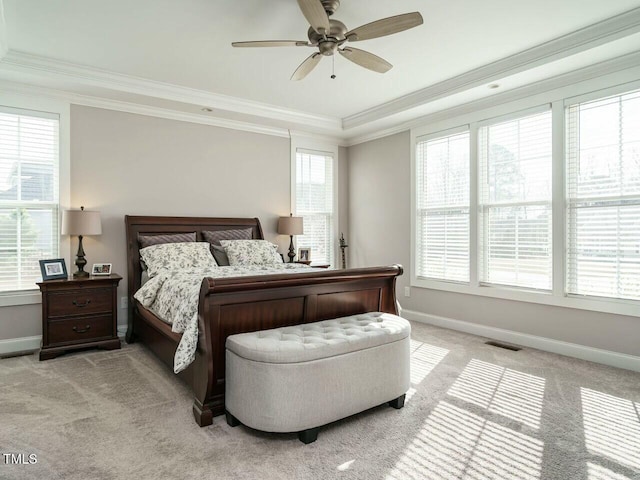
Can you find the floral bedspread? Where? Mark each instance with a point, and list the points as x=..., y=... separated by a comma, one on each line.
x=173, y=296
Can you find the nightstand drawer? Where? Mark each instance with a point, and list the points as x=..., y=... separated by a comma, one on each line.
x=80, y=329
x=81, y=302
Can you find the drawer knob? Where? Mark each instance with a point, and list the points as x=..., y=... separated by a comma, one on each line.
x=85, y=329
x=82, y=304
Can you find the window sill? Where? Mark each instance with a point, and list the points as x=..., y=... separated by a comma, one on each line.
x=26, y=297
x=618, y=307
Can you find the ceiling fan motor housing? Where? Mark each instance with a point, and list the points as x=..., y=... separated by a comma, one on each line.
x=328, y=46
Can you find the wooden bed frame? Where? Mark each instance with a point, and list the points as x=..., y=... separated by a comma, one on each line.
x=244, y=304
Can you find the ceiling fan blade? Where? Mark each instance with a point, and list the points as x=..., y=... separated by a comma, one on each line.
x=386, y=26
x=305, y=67
x=314, y=12
x=272, y=43
x=366, y=59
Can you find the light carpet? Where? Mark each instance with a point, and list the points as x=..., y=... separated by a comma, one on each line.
x=474, y=412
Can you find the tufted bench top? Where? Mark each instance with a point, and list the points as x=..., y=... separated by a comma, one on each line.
x=313, y=341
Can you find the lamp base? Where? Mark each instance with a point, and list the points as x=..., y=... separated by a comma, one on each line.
x=292, y=251
x=80, y=262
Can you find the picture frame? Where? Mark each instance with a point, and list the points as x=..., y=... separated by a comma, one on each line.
x=101, y=269
x=304, y=255
x=53, y=269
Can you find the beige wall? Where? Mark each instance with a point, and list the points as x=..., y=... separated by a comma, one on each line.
x=131, y=164
x=380, y=226
x=20, y=321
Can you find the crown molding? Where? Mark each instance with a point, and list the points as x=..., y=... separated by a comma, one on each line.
x=586, y=38
x=138, y=109
x=611, y=66
x=316, y=137
x=4, y=45
x=43, y=67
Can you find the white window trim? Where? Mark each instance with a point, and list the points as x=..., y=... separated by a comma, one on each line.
x=557, y=297
x=309, y=145
x=63, y=109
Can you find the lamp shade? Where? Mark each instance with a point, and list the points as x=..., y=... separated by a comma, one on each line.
x=81, y=222
x=290, y=226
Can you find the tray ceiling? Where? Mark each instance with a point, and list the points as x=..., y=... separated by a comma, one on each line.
x=186, y=46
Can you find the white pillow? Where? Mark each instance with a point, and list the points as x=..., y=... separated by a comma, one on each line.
x=177, y=257
x=251, y=252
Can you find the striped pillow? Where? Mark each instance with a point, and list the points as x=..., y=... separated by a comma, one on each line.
x=149, y=240
x=214, y=237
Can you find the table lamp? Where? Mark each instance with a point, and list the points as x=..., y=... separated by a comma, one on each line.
x=81, y=222
x=290, y=226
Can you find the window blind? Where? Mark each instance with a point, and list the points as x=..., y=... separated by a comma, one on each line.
x=515, y=195
x=314, y=202
x=603, y=197
x=442, y=201
x=28, y=196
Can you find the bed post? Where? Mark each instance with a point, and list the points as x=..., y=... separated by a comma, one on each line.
x=131, y=269
x=389, y=302
x=204, y=402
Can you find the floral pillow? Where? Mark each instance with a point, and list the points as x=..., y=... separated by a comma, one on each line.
x=251, y=252
x=177, y=257
x=214, y=237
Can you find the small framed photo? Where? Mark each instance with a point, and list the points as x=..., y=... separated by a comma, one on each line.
x=54, y=269
x=304, y=254
x=101, y=269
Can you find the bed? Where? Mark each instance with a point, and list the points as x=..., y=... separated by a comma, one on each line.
x=227, y=306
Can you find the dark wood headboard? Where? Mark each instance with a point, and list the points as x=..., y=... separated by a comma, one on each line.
x=136, y=225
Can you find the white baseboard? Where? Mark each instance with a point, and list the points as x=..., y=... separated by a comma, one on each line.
x=18, y=345
x=606, y=357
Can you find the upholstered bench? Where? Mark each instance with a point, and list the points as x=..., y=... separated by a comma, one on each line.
x=297, y=379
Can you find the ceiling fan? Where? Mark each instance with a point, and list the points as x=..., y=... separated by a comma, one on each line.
x=329, y=36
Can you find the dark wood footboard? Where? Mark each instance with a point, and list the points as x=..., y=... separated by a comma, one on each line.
x=236, y=305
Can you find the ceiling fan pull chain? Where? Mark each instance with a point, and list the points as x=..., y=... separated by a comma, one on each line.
x=333, y=67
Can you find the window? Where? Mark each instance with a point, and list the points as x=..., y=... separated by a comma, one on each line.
x=442, y=207
x=603, y=197
x=314, y=202
x=551, y=208
x=28, y=195
x=515, y=206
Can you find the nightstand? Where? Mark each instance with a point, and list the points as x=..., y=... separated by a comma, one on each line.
x=79, y=313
